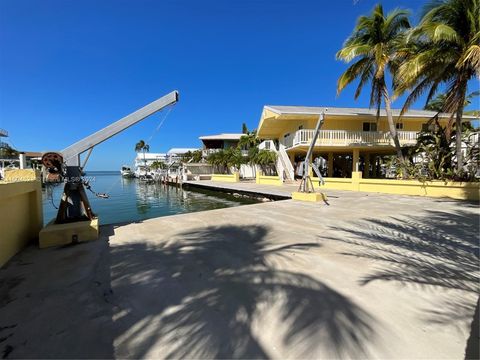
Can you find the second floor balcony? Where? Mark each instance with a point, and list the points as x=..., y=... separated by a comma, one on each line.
x=207, y=152
x=348, y=138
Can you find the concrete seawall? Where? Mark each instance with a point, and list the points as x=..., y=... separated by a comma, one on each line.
x=21, y=216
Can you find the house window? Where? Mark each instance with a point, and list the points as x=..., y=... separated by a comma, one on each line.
x=369, y=126
x=267, y=145
x=399, y=126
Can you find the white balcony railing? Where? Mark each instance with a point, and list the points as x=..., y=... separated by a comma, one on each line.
x=348, y=138
x=206, y=152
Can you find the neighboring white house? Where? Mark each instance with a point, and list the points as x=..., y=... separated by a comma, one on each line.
x=140, y=161
x=214, y=143
x=175, y=154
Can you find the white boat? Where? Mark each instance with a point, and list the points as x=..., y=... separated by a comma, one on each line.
x=127, y=172
x=146, y=178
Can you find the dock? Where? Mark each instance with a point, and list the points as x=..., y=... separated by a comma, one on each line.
x=248, y=188
x=370, y=275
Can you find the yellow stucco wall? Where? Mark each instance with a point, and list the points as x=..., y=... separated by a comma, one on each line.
x=14, y=175
x=335, y=184
x=21, y=216
x=349, y=124
x=273, y=126
x=235, y=177
x=454, y=190
x=268, y=180
x=310, y=197
x=63, y=234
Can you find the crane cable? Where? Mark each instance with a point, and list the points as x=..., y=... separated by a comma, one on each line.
x=165, y=115
x=157, y=128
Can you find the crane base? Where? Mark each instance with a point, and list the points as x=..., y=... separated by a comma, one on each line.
x=312, y=197
x=63, y=234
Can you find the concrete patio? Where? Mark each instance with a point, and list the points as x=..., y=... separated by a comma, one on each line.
x=369, y=275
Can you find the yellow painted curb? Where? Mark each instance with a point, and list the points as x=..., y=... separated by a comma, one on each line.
x=311, y=197
x=63, y=234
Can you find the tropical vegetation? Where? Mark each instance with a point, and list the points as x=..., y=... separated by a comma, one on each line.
x=192, y=156
x=441, y=52
x=374, y=44
x=226, y=160
x=7, y=152
x=249, y=139
x=265, y=159
x=444, y=49
x=143, y=147
x=158, y=165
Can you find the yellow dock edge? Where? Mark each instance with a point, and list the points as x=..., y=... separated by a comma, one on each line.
x=312, y=197
x=62, y=234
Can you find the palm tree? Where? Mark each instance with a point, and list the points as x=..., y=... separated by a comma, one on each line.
x=444, y=49
x=143, y=147
x=374, y=44
x=7, y=151
x=195, y=156
x=438, y=103
x=216, y=159
x=266, y=159
x=249, y=138
x=158, y=165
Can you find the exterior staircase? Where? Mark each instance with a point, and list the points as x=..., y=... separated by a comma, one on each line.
x=288, y=173
x=283, y=165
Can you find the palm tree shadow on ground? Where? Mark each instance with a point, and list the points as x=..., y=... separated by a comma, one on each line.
x=439, y=249
x=199, y=295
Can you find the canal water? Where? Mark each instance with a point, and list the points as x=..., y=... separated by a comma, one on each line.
x=132, y=200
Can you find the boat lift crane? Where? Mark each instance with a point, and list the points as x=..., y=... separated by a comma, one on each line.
x=306, y=185
x=66, y=165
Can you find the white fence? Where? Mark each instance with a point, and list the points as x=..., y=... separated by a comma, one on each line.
x=345, y=138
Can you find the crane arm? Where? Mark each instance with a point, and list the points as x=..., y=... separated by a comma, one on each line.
x=71, y=153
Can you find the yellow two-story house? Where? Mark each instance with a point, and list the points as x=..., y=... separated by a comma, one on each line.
x=350, y=140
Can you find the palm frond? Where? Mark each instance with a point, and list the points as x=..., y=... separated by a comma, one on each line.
x=352, y=73
x=470, y=58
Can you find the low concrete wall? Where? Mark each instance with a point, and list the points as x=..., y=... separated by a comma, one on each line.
x=235, y=177
x=454, y=190
x=268, y=180
x=336, y=184
x=21, y=216
x=16, y=175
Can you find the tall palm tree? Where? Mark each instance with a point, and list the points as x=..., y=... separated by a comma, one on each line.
x=438, y=102
x=374, y=44
x=444, y=49
x=143, y=147
x=249, y=138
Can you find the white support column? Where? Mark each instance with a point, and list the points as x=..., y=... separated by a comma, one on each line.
x=23, y=160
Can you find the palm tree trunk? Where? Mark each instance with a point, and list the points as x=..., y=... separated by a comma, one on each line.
x=391, y=125
x=458, y=135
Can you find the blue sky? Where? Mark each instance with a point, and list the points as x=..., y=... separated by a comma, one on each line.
x=69, y=67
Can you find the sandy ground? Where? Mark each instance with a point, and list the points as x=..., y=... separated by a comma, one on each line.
x=369, y=276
